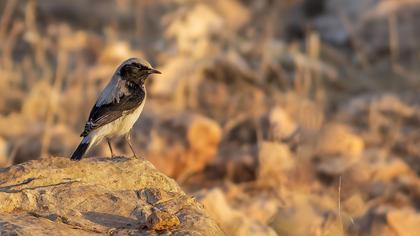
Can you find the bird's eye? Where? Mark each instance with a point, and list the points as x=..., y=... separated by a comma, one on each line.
x=128, y=69
x=139, y=66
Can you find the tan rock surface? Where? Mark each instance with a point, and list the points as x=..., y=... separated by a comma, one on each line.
x=184, y=144
x=404, y=222
x=275, y=159
x=233, y=221
x=4, y=161
x=117, y=196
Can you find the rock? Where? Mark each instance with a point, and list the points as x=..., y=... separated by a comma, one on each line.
x=338, y=139
x=233, y=221
x=391, y=169
x=299, y=219
x=387, y=104
x=372, y=223
x=261, y=209
x=275, y=159
x=338, y=149
x=281, y=124
x=354, y=205
x=404, y=222
x=3, y=152
x=190, y=142
x=26, y=224
x=117, y=196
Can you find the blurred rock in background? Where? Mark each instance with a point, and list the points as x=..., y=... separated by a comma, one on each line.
x=296, y=117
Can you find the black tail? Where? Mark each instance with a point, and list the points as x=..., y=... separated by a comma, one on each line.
x=81, y=150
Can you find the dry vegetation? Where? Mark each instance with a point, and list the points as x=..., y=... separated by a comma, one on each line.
x=296, y=117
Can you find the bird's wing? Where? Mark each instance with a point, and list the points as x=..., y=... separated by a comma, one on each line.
x=129, y=96
x=115, y=89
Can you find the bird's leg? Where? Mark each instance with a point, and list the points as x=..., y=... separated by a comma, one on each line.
x=110, y=147
x=128, y=138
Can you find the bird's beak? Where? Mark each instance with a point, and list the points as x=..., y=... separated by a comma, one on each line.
x=154, y=71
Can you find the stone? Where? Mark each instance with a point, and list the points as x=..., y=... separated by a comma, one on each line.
x=281, y=124
x=338, y=149
x=233, y=221
x=4, y=161
x=391, y=169
x=404, y=222
x=300, y=218
x=338, y=139
x=275, y=159
x=116, y=196
x=184, y=144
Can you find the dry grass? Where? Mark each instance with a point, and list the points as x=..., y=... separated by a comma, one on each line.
x=287, y=110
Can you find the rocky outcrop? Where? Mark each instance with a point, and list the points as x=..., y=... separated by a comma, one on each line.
x=116, y=196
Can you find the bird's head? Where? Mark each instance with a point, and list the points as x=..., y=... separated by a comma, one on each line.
x=136, y=70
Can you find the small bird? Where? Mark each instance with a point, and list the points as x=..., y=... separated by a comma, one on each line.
x=118, y=106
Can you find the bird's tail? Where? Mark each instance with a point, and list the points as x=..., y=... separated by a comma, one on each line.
x=83, y=147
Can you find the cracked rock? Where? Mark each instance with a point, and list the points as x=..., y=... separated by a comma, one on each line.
x=116, y=196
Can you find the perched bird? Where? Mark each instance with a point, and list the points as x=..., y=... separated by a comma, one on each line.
x=118, y=106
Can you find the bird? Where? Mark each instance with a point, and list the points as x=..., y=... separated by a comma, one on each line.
x=117, y=108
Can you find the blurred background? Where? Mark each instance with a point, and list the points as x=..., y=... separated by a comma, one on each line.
x=287, y=117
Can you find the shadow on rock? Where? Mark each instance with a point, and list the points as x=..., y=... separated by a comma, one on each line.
x=110, y=220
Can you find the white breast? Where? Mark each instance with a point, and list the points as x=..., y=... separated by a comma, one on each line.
x=128, y=121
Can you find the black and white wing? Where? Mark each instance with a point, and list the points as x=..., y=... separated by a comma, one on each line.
x=127, y=98
x=115, y=89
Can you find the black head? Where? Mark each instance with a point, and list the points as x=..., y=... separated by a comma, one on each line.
x=136, y=70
